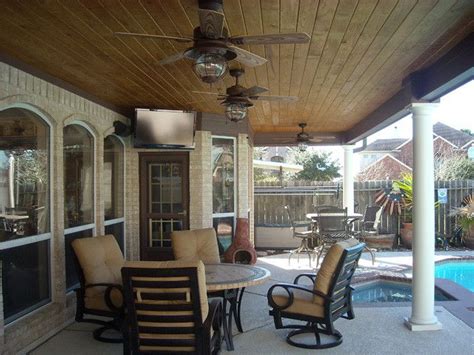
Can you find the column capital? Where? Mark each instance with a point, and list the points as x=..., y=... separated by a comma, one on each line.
x=348, y=146
x=426, y=108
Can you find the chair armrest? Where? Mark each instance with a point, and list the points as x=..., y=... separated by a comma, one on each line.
x=289, y=289
x=310, y=276
x=107, y=297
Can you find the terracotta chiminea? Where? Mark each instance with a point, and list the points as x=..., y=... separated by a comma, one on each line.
x=241, y=251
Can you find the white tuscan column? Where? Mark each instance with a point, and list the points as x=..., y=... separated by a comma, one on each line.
x=348, y=179
x=422, y=314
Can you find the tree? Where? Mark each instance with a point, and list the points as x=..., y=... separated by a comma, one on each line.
x=456, y=167
x=468, y=131
x=317, y=166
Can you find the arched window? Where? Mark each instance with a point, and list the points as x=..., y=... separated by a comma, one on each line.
x=24, y=211
x=79, y=222
x=113, y=187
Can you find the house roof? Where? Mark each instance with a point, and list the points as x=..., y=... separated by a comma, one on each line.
x=452, y=135
x=385, y=145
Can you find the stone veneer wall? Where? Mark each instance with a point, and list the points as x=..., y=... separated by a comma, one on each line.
x=59, y=107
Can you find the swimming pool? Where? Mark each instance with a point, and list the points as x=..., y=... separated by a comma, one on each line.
x=461, y=272
x=388, y=291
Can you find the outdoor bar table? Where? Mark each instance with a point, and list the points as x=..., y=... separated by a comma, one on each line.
x=232, y=279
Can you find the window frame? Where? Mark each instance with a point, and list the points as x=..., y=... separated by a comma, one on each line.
x=234, y=213
x=89, y=226
x=118, y=220
x=43, y=236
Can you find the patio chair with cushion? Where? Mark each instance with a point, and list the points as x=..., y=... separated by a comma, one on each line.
x=320, y=304
x=167, y=309
x=196, y=244
x=201, y=244
x=98, y=262
x=305, y=236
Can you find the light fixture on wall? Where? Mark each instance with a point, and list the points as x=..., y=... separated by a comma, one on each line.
x=210, y=67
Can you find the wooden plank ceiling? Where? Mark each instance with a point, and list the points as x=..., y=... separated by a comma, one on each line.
x=359, y=53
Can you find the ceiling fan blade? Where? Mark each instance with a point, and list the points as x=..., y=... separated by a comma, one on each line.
x=211, y=23
x=247, y=58
x=208, y=93
x=254, y=90
x=172, y=59
x=274, y=98
x=144, y=35
x=278, y=38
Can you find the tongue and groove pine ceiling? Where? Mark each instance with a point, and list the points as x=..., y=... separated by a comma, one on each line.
x=359, y=54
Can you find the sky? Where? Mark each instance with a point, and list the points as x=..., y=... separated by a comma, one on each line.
x=456, y=110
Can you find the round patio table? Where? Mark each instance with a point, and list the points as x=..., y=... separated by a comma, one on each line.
x=230, y=281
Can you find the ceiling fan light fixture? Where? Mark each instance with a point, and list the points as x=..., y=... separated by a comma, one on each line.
x=236, y=112
x=302, y=146
x=210, y=67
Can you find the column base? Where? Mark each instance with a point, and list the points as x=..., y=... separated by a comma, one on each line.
x=416, y=327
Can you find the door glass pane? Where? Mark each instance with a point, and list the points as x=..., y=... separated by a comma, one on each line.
x=165, y=181
x=223, y=175
x=160, y=231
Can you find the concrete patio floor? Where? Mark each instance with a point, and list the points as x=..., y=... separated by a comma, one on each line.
x=375, y=330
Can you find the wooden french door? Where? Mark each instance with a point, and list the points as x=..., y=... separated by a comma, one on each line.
x=164, y=201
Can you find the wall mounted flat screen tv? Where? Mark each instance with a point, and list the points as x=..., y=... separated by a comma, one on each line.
x=164, y=129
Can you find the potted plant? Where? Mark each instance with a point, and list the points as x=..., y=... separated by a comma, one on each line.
x=405, y=186
x=465, y=217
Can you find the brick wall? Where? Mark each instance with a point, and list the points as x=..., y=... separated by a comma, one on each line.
x=58, y=107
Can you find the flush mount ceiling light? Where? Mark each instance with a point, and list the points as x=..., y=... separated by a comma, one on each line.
x=212, y=38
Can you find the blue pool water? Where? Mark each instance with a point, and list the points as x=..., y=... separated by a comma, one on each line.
x=461, y=272
x=387, y=291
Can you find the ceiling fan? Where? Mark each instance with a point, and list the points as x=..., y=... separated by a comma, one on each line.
x=238, y=99
x=213, y=48
x=303, y=139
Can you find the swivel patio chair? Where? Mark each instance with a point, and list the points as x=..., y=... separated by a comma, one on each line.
x=320, y=304
x=98, y=262
x=305, y=236
x=167, y=309
x=201, y=244
x=196, y=244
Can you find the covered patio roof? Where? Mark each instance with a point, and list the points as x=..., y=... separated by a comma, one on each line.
x=365, y=62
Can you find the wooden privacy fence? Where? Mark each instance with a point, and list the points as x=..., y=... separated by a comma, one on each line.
x=302, y=196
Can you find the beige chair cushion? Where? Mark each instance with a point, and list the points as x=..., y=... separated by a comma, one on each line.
x=173, y=264
x=197, y=244
x=302, y=302
x=328, y=267
x=101, y=261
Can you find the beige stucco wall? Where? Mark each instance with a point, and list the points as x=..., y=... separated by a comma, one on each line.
x=60, y=107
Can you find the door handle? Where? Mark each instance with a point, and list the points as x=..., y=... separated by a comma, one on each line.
x=183, y=213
